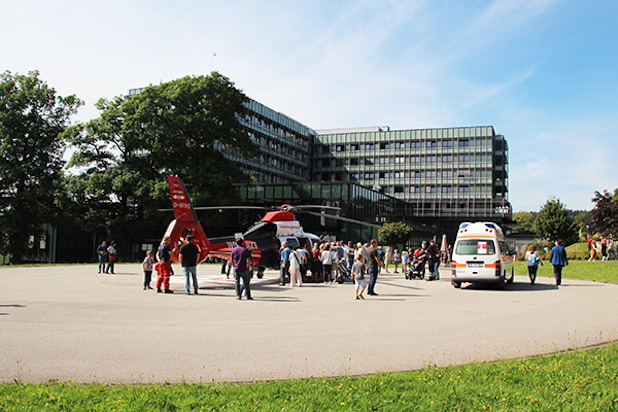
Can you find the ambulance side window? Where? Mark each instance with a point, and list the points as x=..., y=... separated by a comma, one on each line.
x=504, y=248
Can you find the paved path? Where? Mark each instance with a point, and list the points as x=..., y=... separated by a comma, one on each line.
x=68, y=323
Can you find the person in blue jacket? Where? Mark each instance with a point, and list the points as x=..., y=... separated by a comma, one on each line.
x=558, y=258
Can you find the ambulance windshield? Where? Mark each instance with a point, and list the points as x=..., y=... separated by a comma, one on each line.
x=475, y=247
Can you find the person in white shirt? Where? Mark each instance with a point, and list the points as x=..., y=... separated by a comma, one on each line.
x=296, y=260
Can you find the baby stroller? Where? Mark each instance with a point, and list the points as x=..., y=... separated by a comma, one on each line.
x=417, y=269
x=343, y=272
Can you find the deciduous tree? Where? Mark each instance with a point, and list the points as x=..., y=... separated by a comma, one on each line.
x=32, y=117
x=554, y=222
x=524, y=221
x=395, y=233
x=604, y=215
x=180, y=128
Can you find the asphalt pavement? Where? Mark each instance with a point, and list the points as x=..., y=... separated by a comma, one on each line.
x=69, y=323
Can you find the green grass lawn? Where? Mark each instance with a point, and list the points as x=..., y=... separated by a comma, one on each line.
x=581, y=380
x=577, y=269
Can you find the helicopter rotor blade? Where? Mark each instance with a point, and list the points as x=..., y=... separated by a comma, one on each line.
x=345, y=219
x=312, y=207
x=222, y=207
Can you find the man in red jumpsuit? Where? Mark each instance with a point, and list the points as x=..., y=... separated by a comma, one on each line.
x=164, y=267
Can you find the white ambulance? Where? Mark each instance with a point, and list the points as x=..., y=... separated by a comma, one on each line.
x=481, y=254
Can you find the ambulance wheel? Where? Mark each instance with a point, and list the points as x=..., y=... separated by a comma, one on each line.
x=456, y=284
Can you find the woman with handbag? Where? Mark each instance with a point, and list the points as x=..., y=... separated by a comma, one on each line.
x=533, y=259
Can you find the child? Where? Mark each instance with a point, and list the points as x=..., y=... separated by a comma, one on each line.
x=358, y=274
x=147, y=266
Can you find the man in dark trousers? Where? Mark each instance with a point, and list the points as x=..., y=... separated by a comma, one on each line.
x=558, y=259
x=241, y=260
x=187, y=256
x=373, y=262
x=102, y=253
x=433, y=253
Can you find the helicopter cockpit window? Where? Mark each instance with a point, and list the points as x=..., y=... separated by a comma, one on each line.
x=292, y=241
x=304, y=242
x=261, y=230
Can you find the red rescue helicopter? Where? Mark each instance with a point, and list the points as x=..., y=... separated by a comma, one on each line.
x=263, y=239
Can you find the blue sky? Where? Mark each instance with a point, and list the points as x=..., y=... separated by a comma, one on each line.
x=543, y=73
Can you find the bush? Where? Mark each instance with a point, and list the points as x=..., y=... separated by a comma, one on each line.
x=577, y=251
x=539, y=247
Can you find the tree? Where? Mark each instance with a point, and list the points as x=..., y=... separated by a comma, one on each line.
x=177, y=128
x=524, y=221
x=395, y=233
x=604, y=215
x=554, y=222
x=32, y=117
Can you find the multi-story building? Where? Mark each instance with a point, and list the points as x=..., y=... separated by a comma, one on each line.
x=285, y=146
x=448, y=175
x=459, y=173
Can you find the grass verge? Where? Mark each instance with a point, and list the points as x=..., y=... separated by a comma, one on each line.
x=571, y=381
x=577, y=269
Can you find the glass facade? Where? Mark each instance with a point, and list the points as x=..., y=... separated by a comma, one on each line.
x=356, y=202
x=444, y=173
x=285, y=146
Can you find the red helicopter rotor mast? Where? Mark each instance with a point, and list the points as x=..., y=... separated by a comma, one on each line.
x=185, y=221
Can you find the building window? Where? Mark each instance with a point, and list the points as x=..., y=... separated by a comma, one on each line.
x=354, y=177
x=463, y=174
x=431, y=144
x=430, y=189
x=415, y=159
x=369, y=161
x=368, y=176
x=384, y=146
x=464, y=189
x=398, y=189
x=415, y=189
x=415, y=145
x=385, y=160
x=384, y=175
x=340, y=148
x=447, y=143
x=464, y=143
x=447, y=189
x=416, y=174
x=400, y=145
x=399, y=160
x=431, y=174
x=400, y=175
x=447, y=174
x=447, y=158
x=369, y=146
x=353, y=147
x=464, y=158
x=354, y=161
x=432, y=159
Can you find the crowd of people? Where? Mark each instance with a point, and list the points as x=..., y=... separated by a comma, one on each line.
x=331, y=261
x=605, y=249
x=325, y=262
